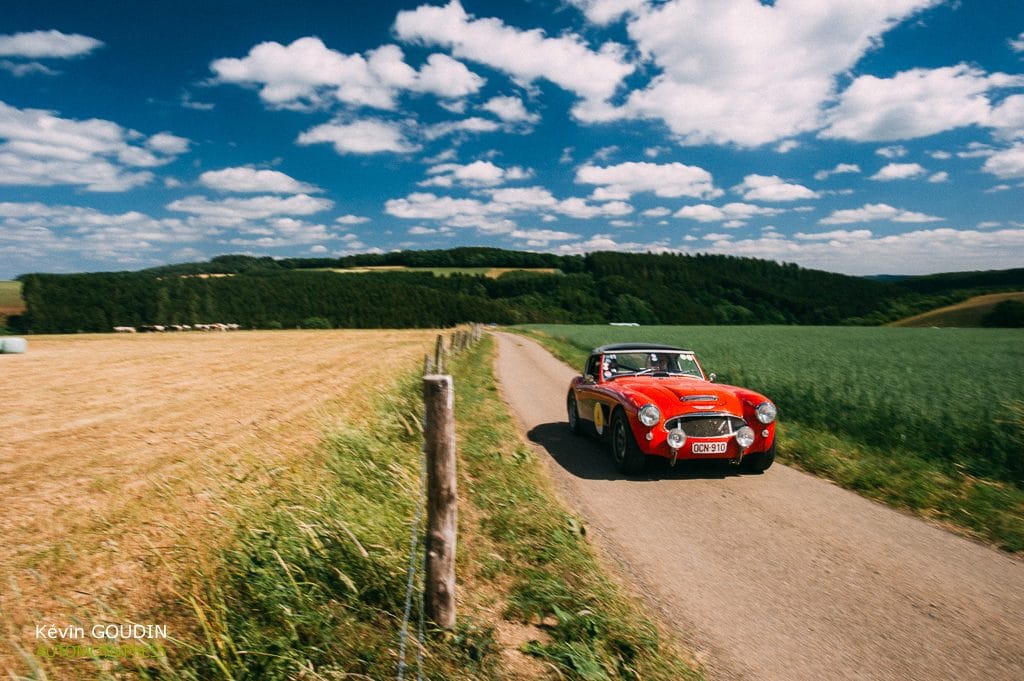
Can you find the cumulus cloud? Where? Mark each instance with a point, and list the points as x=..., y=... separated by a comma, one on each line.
x=476, y=174
x=668, y=180
x=876, y=212
x=540, y=238
x=841, y=168
x=1006, y=164
x=604, y=12
x=253, y=181
x=30, y=232
x=915, y=103
x=510, y=110
x=473, y=124
x=308, y=74
x=527, y=56
x=352, y=220
x=47, y=45
x=366, y=136
x=916, y=252
x=39, y=148
x=772, y=188
x=899, y=171
x=751, y=73
x=237, y=211
x=737, y=213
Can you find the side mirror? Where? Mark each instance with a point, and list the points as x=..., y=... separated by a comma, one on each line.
x=712, y=377
x=588, y=379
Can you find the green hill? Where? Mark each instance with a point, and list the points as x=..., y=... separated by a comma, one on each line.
x=441, y=288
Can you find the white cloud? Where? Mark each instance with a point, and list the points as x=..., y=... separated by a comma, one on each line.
x=876, y=212
x=840, y=169
x=1017, y=45
x=738, y=213
x=751, y=73
x=47, y=45
x=915, y=103
x=527, y=56
x=22, y=69
x=420, y=231
x=31, y=232
x=604, y=12
x=41, y=149
x=772, y=188
x=938, y=178
x=510, y=110
x=835, y=235
x=659, y=212
x=231, y=212
x=252, y=181
x=540, y=238
x=892, y=151
x=366, y=136
x=473, y=124
x=669, y=180
x=899, y=171
x=916, y=252
x=352, y=220
x=476, y=174
x=1005, y=164
x=308, y=74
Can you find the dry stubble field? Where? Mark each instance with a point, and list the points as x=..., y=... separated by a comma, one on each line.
x=122, y=454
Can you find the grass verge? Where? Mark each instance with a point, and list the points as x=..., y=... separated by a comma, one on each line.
x=989, y=510
x=310, y=582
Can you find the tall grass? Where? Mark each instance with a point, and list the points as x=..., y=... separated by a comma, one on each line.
x=312, y=584
x=913, y=403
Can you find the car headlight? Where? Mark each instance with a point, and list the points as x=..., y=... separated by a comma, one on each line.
x=766, y=412
x=745, y=436
x=676, y=438
x=649, y=415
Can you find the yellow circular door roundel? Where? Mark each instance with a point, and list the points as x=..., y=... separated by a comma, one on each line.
x=598, y=418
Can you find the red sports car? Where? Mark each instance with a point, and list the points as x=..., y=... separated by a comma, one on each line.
x=655, y=400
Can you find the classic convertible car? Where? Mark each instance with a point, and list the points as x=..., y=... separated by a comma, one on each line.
x=655, y=400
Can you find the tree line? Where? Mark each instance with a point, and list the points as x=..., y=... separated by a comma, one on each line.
x=595, y=288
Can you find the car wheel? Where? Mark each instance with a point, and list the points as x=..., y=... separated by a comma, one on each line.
x=574, y=414
x=759, y=462
x=627, y=455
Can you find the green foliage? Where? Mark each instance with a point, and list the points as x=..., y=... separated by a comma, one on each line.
x=1008, y=314
x=599, y=287
x=927, y=404
x=315, y=323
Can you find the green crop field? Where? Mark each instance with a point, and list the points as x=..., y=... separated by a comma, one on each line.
x=928, y=404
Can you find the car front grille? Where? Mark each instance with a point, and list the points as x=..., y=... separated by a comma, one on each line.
x=706, y=425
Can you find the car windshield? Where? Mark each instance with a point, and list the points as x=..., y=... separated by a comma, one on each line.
x=658, y=363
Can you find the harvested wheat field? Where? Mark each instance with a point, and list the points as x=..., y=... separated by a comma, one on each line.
x=121, y=453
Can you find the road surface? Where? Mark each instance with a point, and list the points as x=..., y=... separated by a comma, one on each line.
x=780, y=576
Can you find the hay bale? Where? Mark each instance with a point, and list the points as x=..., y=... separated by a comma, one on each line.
x=13, y=346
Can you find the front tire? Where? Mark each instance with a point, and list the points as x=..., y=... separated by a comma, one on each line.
x=759, y=462
x=625, y=452
x=574, y=414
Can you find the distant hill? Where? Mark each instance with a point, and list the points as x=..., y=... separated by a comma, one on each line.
x=970, y=313
x=445, y=287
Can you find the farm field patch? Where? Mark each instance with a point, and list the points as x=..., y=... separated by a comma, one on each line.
x=966, y=314
x=10, y=298
x=121, y=449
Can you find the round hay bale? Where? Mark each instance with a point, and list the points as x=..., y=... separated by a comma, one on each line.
x=14, y=346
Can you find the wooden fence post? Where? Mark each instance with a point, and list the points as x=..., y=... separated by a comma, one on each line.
x=439, y=355
x=442, y=511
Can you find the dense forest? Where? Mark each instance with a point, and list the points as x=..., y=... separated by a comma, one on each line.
x=595, y=288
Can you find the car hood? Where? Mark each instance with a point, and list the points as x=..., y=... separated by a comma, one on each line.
x=677, y=395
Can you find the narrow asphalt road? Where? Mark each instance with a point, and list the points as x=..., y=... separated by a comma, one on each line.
x=780, y=576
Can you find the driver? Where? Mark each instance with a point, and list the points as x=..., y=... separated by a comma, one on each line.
x=658, y=362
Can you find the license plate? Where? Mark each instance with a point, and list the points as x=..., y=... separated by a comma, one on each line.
x=709, y=447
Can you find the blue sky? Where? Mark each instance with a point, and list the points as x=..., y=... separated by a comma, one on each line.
x=878, y=136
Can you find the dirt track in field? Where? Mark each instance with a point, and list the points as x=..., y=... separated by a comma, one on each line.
x=780, y=576
x=120, y=453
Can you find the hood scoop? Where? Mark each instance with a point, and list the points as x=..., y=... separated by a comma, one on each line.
x=699, y=398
